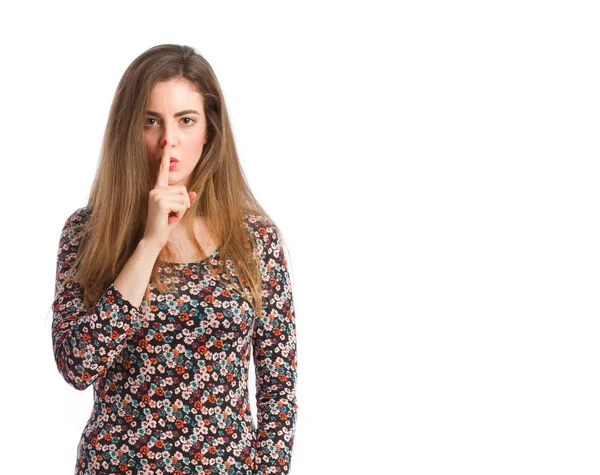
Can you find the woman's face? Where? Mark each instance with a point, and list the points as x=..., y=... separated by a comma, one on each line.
x=175, y=113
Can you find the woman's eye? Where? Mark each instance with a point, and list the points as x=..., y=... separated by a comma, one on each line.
x=188, y=118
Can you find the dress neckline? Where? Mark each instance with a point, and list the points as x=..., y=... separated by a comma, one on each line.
x=210, y=256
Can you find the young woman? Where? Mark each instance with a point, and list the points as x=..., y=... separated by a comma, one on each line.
x=166, y=281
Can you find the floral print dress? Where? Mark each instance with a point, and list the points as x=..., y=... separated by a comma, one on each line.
x=170, y=378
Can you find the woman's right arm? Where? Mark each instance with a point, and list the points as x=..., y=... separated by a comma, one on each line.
x=87, y=341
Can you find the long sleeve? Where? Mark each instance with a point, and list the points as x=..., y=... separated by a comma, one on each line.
x=86, y=341
x=274, y=349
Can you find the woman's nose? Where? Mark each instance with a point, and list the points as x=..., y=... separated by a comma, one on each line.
x=167, y=135
x=166, y=139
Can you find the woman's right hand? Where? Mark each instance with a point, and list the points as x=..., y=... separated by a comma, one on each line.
x=166, y=205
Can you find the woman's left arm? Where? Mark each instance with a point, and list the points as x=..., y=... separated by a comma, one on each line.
x=274, y=349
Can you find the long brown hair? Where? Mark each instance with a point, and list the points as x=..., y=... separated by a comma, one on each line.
x=119, y=195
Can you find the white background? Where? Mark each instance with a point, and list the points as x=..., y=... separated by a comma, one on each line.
x=434, y=169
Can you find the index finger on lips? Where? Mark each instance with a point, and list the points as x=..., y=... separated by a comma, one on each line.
x=163, y=172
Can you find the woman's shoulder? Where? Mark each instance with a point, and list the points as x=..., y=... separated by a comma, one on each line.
x=254, y=218
x=265, y=233
x=77, y=222
x=78, y=217
x=259, y=224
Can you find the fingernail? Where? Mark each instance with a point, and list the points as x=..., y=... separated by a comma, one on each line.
x=165, y=142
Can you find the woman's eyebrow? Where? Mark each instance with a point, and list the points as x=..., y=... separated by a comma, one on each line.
x=177, y=114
